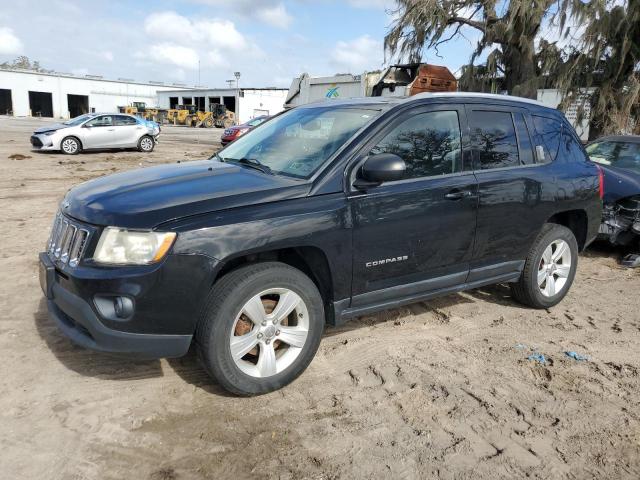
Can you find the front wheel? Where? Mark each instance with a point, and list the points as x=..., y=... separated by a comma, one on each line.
x=146, y=144
x=549, y=269
x=70, y=146
x=261, y=327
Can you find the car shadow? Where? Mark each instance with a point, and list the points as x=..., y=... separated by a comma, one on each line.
x=189, y=369
x=87, y=362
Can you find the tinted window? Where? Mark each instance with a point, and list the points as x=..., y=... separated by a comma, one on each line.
x=101, y=121
x=549, y=130
x=429, y=143
x=124, y=120
x=494, y=139
x=571, y=148
x=526, y=148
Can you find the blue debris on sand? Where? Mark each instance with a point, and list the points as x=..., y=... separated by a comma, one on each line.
x=576, y=356
x=520, y=346
x=537, y=357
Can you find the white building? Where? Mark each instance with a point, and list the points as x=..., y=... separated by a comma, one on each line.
x=60, y=95
x=246, y=103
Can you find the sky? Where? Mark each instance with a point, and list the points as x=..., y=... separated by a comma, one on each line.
x=203, y=42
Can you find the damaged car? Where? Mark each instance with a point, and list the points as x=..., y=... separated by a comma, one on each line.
x=619, y=158
x=97, y=131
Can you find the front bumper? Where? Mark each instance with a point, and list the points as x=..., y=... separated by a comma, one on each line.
x=42, y=142
x=157, y=329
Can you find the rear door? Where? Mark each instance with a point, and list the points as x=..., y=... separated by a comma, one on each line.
x=514, y=193
x=98, y=132
x=416, y=235
x=127, y=131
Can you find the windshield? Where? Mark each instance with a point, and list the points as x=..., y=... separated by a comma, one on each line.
x=616, y=154
x=298, y=142
x=78, y=120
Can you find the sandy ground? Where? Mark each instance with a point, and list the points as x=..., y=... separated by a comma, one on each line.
x=436, y=389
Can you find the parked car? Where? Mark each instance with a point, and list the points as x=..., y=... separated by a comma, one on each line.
x=326, y=212
x=97, y=131
x=619, y=158
x=231, y=133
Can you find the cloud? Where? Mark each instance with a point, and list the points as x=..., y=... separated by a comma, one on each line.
x=357, y=55
x=172, y=54
x=217, y=33
x=9, y=43
x=276, y=16
x=374, y=4
x=272, y=12
x=107, y=55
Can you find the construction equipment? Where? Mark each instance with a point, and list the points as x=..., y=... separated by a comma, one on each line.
x=182, y=115
x=219, y=116
x=140, y=109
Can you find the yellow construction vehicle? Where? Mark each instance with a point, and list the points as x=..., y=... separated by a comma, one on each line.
x=182, y=115
x=140, y=109
x=219, y=116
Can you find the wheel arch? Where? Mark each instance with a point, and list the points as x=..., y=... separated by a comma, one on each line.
x=310, y=260
x=75, y=137
x=575, y=220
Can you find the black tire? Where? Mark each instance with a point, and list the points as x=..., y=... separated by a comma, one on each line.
x=188, y=121
x=66, y=146
x=226, y=300
x=146, y=144
x=208, y=122
x=526, y=290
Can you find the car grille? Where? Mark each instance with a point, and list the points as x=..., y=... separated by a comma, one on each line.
x=68, y=240
x=35, y=141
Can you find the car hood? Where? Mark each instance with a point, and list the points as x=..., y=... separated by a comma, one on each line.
x=147, y=197
x=619, y=183
x=51, y=128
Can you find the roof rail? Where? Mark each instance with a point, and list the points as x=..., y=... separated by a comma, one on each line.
x=492, y=96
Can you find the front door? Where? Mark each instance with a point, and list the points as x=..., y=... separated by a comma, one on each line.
x=416, y=235
x=98, y=132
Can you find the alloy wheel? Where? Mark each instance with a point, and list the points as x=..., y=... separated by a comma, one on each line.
x=69, y=145
x=554, y=268
x=269, y=332
x=146, y=144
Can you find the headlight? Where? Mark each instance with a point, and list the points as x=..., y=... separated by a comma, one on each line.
x=48, y=134
x=126, y=247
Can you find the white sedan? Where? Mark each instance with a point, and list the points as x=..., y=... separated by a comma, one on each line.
x=97, y=131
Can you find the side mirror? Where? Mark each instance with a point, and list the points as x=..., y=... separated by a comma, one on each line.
x=383, y=167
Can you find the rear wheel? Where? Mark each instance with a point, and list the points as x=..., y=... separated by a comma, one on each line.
x=146, y=144
x=261, y=328
x=188, y=121
x=549, y=269
x=208, y=122
x=70, y=145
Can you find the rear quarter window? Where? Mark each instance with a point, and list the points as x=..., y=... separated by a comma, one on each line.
x=550, y=131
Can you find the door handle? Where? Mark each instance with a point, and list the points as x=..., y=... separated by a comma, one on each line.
x=458, y=194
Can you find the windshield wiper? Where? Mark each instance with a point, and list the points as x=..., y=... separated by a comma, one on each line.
x=251, y=163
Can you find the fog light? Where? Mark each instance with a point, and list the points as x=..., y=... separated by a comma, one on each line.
x=114, y=307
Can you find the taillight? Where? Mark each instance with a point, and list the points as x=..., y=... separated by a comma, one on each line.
x=601, y=181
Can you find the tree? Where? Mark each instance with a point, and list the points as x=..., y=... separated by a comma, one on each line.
x=606, y=59
x=23, y=63
x=512, y=26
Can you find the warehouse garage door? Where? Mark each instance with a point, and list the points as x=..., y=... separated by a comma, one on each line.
x=41, y=104
x=78, y=104
x=6, y=105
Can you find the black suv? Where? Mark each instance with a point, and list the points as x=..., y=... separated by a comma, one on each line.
x=322, y=213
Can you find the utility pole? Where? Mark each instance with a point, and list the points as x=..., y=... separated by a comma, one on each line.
x=237, y=75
